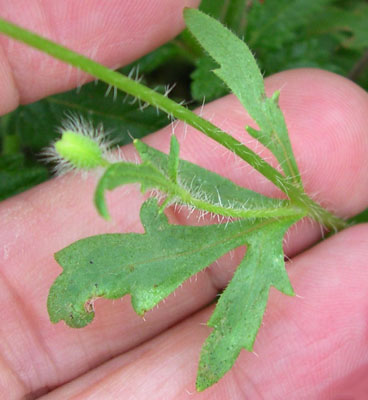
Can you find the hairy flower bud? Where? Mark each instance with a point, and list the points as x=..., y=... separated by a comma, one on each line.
x=80, y=147
x=82, y=152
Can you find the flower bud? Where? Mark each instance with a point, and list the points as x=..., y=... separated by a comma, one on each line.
x=81, y=151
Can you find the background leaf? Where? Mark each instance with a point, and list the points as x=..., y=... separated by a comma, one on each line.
x=349, y=26
x=15, y=178
x=36, y=124
x=270, y=26
x=206, y=86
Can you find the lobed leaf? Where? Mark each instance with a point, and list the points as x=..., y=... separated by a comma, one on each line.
x=239, y=311
x=239, y=70
x=148, y=266
x=152, y=265
x=208, y=184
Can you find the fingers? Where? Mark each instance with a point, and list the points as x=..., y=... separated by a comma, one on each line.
x=113, y=32
x=312, y=346
x=46, y=219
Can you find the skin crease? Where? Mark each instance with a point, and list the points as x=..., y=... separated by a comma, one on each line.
x=312, y=346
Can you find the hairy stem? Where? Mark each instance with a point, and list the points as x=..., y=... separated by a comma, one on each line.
x=180, y=194
x=295, y=194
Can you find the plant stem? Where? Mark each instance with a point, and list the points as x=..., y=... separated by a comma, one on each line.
x=277, y=212
x=295, y=194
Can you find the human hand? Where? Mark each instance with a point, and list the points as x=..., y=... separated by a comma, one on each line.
x=311, y=346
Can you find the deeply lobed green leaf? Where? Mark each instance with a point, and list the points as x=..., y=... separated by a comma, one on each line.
x=149, y=266
x=239, y=311
x=152, y=265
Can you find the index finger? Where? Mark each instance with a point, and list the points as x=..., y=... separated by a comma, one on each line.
x=113, y=33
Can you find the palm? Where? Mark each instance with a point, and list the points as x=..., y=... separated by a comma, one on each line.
x=310, y=346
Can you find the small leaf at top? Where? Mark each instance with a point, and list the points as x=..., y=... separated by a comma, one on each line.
x=239, y=70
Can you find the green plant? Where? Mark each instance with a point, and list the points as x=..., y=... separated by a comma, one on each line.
x=260, y=222
x=327, y=34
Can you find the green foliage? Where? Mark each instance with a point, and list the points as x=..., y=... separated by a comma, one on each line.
x=273, y=24
x=152, y=265
x=239, y=70
x=291, y=34
x=15, y=178
x=349, y=26
x=284, y=34
x=239, y=311
x=148, y=266
x=188, y=184
x=206, y=85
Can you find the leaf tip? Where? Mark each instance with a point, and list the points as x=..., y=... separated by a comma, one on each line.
x=100, y=202
x=205, y=379
x=140, y=147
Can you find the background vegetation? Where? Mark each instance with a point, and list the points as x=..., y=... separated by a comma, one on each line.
x=283, y=34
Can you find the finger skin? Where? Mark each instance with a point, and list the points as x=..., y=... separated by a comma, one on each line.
x=313, y=346
x=330, y=141
x=112, y=32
